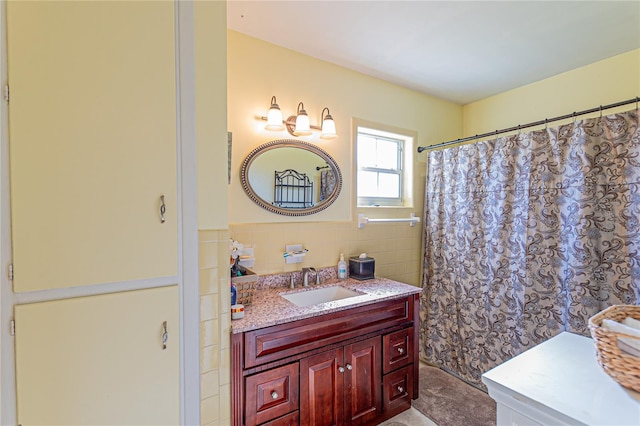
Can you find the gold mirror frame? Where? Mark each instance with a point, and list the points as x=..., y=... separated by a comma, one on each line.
x=289, y=143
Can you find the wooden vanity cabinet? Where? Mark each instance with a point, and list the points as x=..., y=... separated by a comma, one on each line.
x=356, y=366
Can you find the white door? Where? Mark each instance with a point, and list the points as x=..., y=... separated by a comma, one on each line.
x=92, y=137
x=99, y=360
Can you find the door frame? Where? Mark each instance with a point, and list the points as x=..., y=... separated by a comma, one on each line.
x=187, y=278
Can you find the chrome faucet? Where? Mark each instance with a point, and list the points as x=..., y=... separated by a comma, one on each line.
x=305, y=275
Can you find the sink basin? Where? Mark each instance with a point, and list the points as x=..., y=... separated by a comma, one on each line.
x=320, y=295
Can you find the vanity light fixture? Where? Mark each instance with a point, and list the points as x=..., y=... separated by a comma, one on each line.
x=298, y=125
x=274, y=117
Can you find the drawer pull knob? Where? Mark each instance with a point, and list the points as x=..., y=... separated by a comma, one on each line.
x=349, y=367
x=274, y=395
x=400, y=350
x=400, y=389
x=341, y=369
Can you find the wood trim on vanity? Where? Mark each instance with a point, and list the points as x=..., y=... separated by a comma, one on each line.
x=237, y=381
x=416, y=342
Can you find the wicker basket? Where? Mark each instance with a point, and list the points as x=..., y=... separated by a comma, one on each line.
x=622, y=367
x=244, y=292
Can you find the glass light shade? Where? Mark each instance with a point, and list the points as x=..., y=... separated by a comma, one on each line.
x=328, y=128
x=302, y=124
x=274, y=119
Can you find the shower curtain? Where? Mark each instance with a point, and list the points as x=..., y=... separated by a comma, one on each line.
x=327, y=184
x=527, y=236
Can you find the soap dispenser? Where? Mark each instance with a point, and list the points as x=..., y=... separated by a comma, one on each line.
x=342, y=268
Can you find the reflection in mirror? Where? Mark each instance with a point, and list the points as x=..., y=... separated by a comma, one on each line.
x=291, y=177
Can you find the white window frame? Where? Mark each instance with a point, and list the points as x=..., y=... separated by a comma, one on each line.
x=406, y=140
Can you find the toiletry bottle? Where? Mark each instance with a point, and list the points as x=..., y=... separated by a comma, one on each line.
x=233, y=294
x=342, y=268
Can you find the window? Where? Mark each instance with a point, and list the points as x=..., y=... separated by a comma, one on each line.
x=383, y=159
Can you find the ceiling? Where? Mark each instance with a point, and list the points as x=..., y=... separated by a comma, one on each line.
x=461, y=51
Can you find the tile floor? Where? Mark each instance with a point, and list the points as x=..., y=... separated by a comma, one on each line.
x=411, y=417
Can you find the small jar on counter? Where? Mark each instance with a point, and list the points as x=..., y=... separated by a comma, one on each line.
x=237, y=312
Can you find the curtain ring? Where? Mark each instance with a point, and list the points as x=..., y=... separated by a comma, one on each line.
x=574, y=117
x=600, y=111
x=545, y=124
x=637, y=98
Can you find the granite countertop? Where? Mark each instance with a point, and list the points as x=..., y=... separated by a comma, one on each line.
x=269, y=308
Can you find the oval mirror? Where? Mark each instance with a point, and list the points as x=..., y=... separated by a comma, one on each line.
x=290, y=177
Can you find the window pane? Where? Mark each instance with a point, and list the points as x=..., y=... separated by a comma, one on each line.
x=388, y=185
x=387, y=154
x=367, y=184
x=380, y=162
x=366, y=151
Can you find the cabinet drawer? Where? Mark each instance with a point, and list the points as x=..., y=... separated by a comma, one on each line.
x=271, y=394
x=280, y=341
x=397, y=350
x=291, y=419
x=397, y=388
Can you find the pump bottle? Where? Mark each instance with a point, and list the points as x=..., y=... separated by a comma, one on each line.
x=342, y=268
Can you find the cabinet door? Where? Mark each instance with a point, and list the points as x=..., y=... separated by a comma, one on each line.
x=99, y=360
x=363, y=380
x=92, y=133
x=321, y=389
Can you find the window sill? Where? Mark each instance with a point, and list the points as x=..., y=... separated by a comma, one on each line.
x=386, y=207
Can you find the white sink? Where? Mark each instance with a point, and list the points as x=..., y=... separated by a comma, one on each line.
x=320, y=295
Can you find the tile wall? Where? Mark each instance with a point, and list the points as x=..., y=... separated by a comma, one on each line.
x=215, y=388
x=396, y=247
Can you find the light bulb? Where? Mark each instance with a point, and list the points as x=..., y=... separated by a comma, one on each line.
x=328, y=126
x=274, y=117
x=302, y=122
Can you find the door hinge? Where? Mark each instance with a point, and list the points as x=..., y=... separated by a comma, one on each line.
x=12, y=331
x=10, y=272
x=6, y=93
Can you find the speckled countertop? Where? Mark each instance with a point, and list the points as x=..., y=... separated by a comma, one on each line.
x=269, y=308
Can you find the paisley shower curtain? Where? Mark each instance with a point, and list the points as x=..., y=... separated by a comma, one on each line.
x=327, y=184
x=527, y=236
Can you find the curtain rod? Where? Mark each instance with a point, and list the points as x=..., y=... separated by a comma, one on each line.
x=535, y=123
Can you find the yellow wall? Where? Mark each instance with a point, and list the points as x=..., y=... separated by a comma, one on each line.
x=604, y=82
x=211, y=113
x=258, y=70
x=213, y=235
